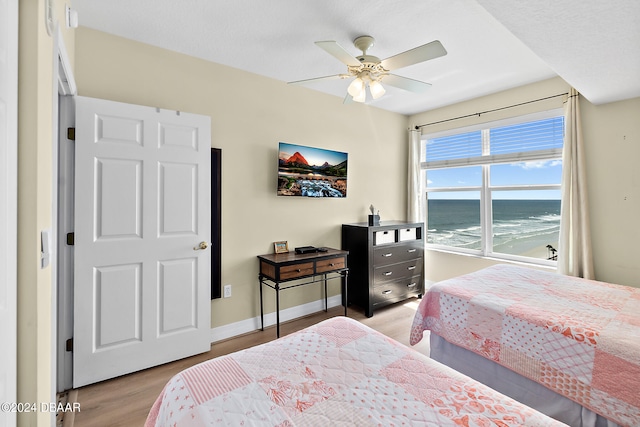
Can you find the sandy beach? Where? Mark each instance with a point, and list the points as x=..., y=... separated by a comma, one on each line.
x=534, y=247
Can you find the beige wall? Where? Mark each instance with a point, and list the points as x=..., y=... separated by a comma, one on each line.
x=249, y=116
x=612, y=145
x=35, y=195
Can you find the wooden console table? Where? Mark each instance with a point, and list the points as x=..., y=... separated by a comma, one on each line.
x=316, y=266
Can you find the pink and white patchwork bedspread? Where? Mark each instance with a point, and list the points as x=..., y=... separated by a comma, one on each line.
x=335, y=373
x=580, y=338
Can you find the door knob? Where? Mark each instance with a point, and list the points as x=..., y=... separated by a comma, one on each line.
x=202, y=246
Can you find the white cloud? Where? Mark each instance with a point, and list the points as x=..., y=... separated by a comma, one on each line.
x=539, y=164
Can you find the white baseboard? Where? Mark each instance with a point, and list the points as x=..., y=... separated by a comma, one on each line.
x=249, y=325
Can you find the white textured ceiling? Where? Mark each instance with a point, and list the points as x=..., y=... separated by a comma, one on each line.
x=492, y=45
x=593, y=45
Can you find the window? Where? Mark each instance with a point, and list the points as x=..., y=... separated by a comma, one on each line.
x=494, y=190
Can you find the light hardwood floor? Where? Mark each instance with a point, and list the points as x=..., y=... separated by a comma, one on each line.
x=125, y=401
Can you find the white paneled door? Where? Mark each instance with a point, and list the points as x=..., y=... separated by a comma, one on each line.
x=142, y=226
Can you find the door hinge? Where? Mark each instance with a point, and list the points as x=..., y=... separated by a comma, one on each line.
x=70, y=238
x=69, y=344
x=71, y=134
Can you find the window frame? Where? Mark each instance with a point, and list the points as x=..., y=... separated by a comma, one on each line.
x=486, y=190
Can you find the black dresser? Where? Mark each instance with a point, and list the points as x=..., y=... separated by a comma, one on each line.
x=385, y=262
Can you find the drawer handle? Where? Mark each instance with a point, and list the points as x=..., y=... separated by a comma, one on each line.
x=386, y=255
x=387, y=273
x=331, y=265
x=411, y=285
x=413, y=267
x=298, y=270
x=387, y=292
x=411, y=250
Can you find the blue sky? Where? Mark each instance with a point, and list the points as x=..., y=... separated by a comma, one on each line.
x=541, y=172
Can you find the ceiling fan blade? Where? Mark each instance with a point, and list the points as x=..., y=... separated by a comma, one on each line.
x=419, y=54
x=406, y=83
x=337, y=51
x=316, y=79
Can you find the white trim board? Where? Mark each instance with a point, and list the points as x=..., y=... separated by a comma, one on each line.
x=8, y=205
x=250, y=325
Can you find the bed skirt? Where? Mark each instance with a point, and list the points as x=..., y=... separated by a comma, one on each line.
x=514, y=385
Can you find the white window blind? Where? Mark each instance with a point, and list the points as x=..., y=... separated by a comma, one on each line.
x=454, y=147
x=527, y=141
x=539, y=135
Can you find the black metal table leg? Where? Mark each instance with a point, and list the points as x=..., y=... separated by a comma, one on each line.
x=326, y=301
x=277, y=310
x=261, y=305
x=344, y=282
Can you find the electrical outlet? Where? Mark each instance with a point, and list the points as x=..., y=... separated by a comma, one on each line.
x=227, y=291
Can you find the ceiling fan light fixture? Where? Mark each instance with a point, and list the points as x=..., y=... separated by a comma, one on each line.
x=376, y=89
x=356, y=88
x=368, y=70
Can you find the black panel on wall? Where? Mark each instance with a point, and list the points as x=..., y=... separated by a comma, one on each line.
x=216, y=223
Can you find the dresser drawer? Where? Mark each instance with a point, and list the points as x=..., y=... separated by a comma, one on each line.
x=397, y=271
x=384, y=237
x=397, y=290
x=406, y=234
x=332, y=264
x=393, y=254
x=297, y=270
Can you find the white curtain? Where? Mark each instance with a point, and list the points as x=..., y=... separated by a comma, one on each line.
x=575, y=256
x=415, y=190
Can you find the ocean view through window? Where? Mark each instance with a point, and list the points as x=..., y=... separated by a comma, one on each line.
x=495, y=191
x=520, y=227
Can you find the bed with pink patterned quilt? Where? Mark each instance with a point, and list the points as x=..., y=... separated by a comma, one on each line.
x=580, y=338
x=338, y=372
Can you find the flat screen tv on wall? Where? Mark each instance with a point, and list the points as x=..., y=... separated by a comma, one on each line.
x=311, y=172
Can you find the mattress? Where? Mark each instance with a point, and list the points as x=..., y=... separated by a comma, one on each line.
x=576, y=337
x=337, y=372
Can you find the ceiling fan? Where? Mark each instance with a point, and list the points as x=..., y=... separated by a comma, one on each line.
x=370, y=70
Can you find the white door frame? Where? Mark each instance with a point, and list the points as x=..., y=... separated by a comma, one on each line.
x=66, y=172
x=8, y=206
x=62, y=221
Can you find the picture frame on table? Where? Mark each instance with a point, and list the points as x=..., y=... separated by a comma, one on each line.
x=281, y=247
